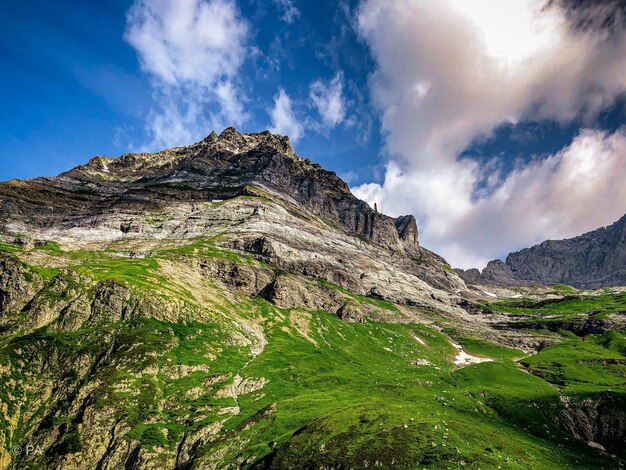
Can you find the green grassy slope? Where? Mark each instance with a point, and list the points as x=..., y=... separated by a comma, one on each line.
x=332, y=394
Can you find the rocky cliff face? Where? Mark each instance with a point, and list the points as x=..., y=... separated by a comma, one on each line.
x=595, y=259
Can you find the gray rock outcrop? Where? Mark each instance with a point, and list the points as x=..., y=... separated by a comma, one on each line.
x=594, y=259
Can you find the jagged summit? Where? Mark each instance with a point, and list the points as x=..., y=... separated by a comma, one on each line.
x=230, y=139
x=221, y=167
x=224, y=166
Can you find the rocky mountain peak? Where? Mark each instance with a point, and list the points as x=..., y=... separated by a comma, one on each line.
x=218, y=167
x=213, y=147
x=108, y=198
x=233, y=141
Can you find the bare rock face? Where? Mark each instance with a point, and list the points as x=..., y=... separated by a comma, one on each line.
x=598, y=421
x=470, y=276
x=110, y=303
x=243, y=278
x=499, y=273
x=595, y=259
x=14, y=285
x=407, y=228
x=289, y=292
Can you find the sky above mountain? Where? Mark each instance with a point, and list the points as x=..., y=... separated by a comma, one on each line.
x=497, y=123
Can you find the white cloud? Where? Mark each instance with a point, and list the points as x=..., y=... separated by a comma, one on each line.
x=452, y=71
x=328, y=100
x=289, y=12
x=284, y=121
x=193, y=50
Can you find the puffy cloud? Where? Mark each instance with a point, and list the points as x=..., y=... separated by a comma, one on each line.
x=193, y=50
x=289, y=12
x=328, y=100
x=284, y=120
x=449, y=72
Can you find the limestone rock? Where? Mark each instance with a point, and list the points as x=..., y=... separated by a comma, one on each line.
x=214, y=168
x=291, y=292
x=108, y=199
x=246, y=279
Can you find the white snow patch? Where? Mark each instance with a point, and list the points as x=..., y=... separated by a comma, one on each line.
x=490, y=294
x=464, y=359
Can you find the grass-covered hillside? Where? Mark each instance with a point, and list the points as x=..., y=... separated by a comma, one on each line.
x=178, y=357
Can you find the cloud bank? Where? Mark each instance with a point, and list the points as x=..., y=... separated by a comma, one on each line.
x=193, y=51
x=449, y=72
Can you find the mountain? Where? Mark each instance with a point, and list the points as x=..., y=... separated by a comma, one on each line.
x=230, y=304
x=169, y=194
x=594, y=259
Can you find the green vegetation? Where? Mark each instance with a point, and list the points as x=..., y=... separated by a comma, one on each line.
x=45, y=273
x=9, y=247
x=564, y=289
x=484, y=348
x=582, y=365
x=106, y=177
x=207, y=248
x=294, y=388
x=569, y=305
x=135, y=272
x=447, y=267
x=351, y=389
x=52, y=248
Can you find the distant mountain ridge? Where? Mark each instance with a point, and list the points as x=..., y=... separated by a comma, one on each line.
x=594, y=259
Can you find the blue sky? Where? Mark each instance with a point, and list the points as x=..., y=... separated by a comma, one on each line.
x=497, y=123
